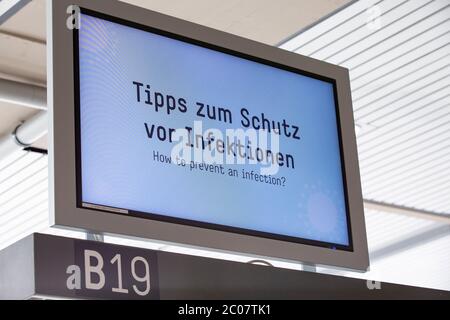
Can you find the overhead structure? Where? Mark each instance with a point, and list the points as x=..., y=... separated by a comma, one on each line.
x=32, y=129
x=398, y=54
x=23, y=94
x=9, y=7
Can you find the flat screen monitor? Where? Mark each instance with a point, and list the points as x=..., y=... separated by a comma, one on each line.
x=185, y=134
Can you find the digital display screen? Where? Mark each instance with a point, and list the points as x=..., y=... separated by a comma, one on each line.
x=176, y=130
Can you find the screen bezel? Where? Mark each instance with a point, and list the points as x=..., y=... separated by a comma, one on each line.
x=190, y=232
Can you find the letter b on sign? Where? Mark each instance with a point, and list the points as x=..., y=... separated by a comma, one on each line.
x=94, y=268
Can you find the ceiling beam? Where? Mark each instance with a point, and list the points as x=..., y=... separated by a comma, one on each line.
x=23, y=94
x=407, y=211
x=411, y=242
x=8, y=8
x=24, y=135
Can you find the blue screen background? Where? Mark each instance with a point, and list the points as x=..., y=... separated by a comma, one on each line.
x=117, y=157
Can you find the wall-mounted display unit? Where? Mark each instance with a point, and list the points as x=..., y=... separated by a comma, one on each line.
x=167, y=130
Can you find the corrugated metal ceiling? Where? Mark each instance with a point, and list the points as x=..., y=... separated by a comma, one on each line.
x=398, y=54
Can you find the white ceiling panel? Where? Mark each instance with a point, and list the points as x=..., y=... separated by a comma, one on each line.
x=395, y=21
x=23, y=196
x=398, y=55
x=396, y=50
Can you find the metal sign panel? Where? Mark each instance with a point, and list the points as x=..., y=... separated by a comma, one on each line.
x=43, y=266
x=94, y=270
